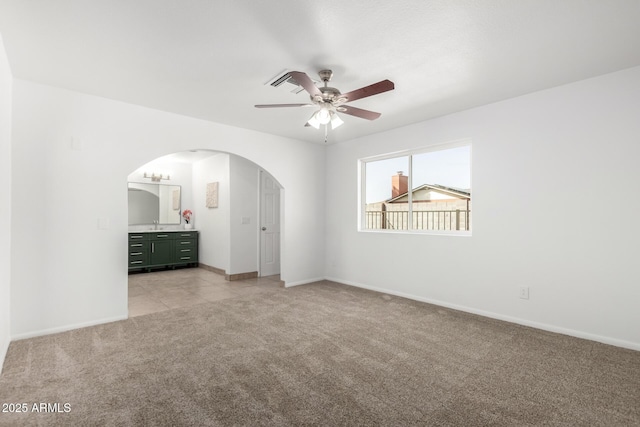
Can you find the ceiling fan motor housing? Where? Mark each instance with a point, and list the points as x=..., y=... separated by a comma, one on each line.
x=330, y=95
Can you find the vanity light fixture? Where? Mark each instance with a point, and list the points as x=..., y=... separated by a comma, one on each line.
x=156, y=178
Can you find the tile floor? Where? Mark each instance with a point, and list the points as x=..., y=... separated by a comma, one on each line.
x=167, y=289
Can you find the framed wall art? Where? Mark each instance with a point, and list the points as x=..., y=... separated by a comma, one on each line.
x=212, y=195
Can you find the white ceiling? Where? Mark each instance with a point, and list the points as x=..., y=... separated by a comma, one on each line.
x=210, y=58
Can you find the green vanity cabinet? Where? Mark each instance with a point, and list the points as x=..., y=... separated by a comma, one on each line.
x=162, y=249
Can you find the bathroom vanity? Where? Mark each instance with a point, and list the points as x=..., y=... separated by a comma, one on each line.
x=162, y=249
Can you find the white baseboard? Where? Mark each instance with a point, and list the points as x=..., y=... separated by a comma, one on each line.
x=303, y=282
x=65, y=328
x=543, y=326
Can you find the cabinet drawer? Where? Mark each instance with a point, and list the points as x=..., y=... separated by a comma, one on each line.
x=136, y=246
x=185, y=251
x=137, y=256
x=137, y=259
x=138, y=237
x=162, y=236
x=186, y=257
x=185, y=243
x=186, y=235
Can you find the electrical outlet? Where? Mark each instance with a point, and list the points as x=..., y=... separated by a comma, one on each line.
x=524, y=292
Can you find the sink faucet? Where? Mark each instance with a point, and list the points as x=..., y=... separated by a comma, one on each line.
x=155, y=224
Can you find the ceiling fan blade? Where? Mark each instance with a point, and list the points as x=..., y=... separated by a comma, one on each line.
x=306, y=82
x=374, y=89
x=282, y=105
x=359, y=112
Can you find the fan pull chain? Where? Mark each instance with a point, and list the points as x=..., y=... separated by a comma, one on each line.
x=325, y=132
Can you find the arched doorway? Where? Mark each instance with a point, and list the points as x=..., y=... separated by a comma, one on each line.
x=232, y=200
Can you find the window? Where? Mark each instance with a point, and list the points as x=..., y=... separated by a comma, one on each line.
x=440, y=196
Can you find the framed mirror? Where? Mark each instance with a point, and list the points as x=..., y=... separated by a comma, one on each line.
x=151, y=203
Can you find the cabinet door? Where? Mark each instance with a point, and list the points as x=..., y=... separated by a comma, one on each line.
x=161, y=252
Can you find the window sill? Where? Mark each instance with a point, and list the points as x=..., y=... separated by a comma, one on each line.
x=451, y=233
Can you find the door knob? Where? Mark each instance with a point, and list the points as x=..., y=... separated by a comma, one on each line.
x=264, y=228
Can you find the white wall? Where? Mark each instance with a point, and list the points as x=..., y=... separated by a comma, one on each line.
x=5, y=202
x=244, y=179
x=69, y=251
x=225, y=241
x=547, y=154
x=212, y=223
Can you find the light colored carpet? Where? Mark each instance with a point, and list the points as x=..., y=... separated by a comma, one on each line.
x=322, y=354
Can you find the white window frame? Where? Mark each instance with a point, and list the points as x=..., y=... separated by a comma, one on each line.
x=362, y=182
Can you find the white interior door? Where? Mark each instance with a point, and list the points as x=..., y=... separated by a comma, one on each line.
x=269, y=225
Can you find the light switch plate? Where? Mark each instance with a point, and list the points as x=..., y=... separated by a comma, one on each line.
x=103, y=223
x=76, y=143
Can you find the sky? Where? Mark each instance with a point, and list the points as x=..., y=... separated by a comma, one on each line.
x=451, y=167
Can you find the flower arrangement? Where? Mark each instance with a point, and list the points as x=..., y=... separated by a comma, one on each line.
x=186, y=214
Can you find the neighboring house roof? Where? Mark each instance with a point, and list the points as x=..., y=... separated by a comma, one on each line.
x=458, y=193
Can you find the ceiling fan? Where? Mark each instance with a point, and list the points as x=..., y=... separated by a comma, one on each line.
x=331, y=101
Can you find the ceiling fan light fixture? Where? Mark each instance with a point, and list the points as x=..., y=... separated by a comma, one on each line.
x=323, y=116
x=335, y=121
x=313, y=121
